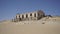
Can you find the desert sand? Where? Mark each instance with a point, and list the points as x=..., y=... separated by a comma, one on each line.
x=43, y=26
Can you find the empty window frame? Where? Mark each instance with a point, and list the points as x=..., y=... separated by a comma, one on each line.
x=38, y=14
x=30, y=14
x=16, y=17
x=22, y=16
x=26, y=15
x=19, y=16
x=34, y=14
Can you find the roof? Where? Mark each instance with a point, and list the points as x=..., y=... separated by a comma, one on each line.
x=31, y=12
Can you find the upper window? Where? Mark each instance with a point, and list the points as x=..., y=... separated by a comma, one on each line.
x=38, y=14
x=16, y=17
x=26, y=15
x=34, y=14
x=19, y=16
x=22, y=16
x=31, y=14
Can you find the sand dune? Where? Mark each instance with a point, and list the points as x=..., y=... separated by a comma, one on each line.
x=50, y=26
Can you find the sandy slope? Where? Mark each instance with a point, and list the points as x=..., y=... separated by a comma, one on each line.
x=51, y=26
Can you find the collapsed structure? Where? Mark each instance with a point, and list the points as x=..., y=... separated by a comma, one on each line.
x=29, y=16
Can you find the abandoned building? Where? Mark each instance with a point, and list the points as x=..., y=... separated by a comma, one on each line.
x=36, y=15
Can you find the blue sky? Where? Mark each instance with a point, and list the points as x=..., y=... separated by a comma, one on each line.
x=9, y=8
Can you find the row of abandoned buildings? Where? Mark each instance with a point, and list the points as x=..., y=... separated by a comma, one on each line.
x=36, y=15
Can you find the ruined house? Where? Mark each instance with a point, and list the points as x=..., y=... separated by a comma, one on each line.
x=36, y=15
